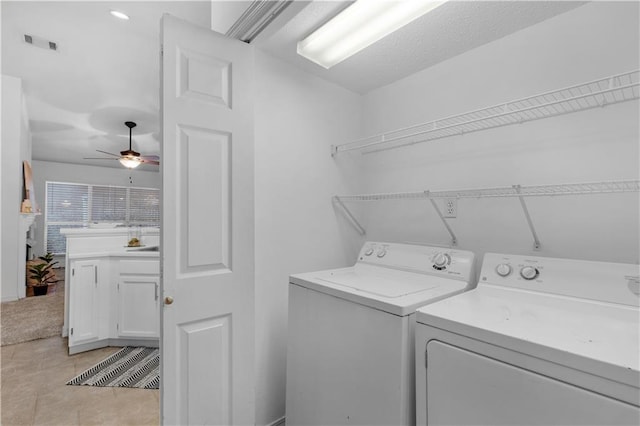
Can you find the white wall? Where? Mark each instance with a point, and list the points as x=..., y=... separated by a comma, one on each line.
x=16, y=148
x=44, y=171
x=592, y=41
x=298, y=117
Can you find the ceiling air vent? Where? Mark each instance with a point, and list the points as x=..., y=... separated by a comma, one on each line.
x=40, y=42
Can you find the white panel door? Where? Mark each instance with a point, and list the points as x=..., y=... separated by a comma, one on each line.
x=207, y=227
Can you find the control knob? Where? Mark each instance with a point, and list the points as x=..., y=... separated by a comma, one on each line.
x=382, y=252
x=529, y=272
x=503, y=269
x=441, y=260
x=369, y=251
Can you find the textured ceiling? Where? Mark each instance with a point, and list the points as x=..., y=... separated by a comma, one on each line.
x=106, y=71
x=449, y=30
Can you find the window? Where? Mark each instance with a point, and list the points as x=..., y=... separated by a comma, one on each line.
x=144, y=206
x=74, y=205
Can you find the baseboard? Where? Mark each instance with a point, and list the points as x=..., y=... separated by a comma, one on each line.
x=151, y=343
x=280, y=422
x=88, y=347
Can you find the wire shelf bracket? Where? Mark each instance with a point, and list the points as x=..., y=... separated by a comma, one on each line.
x=536, y=240
x=593, y=94
x=454, y=240
x=345, y=211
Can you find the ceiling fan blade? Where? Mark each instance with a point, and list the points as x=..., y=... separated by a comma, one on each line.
x=99, y=158
x=130, y=158
x=108, y=153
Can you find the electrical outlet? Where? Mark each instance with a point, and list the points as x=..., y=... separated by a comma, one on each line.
x=450, y=207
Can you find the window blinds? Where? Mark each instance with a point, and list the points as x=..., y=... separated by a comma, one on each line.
x=144, y=206
x=72, y=205
x=108, y=204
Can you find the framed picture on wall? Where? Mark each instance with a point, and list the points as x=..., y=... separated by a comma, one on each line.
x=29, y=204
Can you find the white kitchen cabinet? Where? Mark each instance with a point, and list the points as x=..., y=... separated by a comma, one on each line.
x=138, y=306
x=114, y=301
x=114, y=290
x=84, y=318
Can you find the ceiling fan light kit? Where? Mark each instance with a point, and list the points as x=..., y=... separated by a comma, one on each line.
x=358, y=26
x=130, y=162
x=130, y=158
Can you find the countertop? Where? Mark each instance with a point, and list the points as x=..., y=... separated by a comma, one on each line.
x=86, y=232
x=125, y=252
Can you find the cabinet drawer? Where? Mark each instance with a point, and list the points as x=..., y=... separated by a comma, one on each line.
x=151, y=267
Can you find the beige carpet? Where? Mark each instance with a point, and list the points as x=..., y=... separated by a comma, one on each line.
x=34, y=317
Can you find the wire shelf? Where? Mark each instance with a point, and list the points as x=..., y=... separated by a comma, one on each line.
x=507, y=191
x=598, y=93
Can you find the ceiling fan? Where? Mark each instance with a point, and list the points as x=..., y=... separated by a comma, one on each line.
x=129, y=158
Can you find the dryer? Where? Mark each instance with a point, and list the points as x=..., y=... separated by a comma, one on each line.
x=350, y=355
x=540, y=341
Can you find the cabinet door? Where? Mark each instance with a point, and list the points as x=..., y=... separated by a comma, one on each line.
x=83, y=301
x=138, y=307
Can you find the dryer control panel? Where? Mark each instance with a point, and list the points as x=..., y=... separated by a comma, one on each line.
x=450, y=263
x=602, y=281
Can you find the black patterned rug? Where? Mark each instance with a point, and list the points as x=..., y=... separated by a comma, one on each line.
x=130, y=367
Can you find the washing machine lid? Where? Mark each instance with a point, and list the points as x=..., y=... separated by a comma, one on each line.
x=390, y=290
x=600, y=338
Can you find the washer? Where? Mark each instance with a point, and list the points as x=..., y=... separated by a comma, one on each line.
x=350, y=356
x=540, y=341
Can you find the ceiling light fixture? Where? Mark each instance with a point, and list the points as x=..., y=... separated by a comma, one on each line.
x=129, y=158
x=358, y=26
x=120, y=15
x=130, y=162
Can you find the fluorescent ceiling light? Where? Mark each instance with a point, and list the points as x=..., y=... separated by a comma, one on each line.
x=120, y=15
x=358, y=26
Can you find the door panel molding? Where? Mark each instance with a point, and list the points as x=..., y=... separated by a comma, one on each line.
x=204, y=209
x=213, y=337
x=203, y=78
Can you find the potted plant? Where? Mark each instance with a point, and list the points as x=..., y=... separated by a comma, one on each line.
x=43, y=274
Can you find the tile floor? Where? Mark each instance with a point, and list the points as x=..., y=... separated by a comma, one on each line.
x=34, y=392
